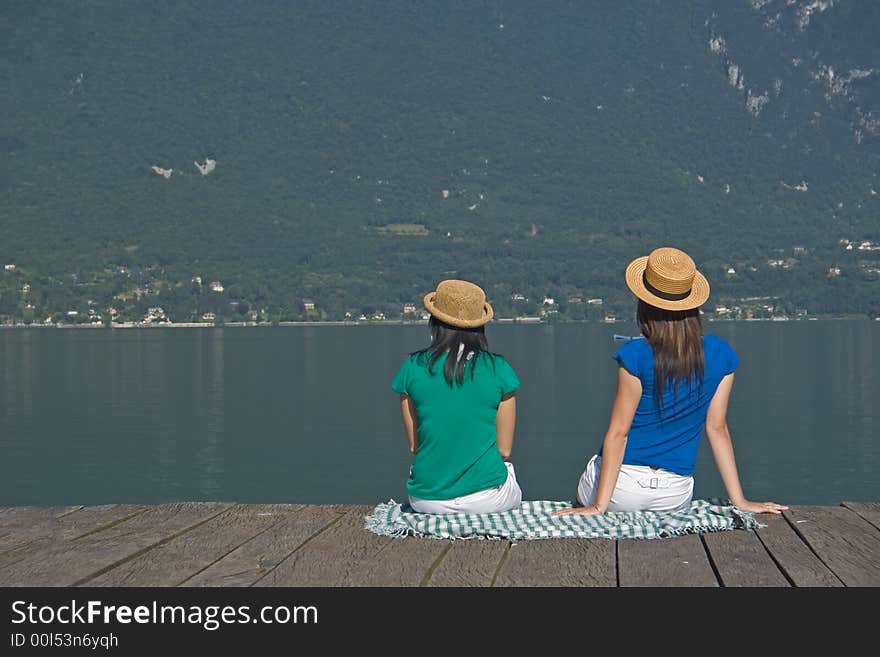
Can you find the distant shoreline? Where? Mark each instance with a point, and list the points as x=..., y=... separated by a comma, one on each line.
x=386, y=322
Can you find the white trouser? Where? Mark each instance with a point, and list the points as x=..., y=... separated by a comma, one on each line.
x=500, y=498
x=639, y=488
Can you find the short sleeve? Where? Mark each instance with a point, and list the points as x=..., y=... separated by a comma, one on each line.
x=729, y=358
x=508, y=382
x=400, y=383
x=629, y=357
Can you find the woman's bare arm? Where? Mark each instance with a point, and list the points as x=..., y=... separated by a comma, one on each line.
x=629, y=391
x=718, y=435
x=505, y=423
x=410, y=422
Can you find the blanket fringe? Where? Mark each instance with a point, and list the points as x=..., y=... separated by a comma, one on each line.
x=378, y=521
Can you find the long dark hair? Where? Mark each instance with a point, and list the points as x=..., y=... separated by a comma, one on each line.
x=677, y=339
x=447, y=339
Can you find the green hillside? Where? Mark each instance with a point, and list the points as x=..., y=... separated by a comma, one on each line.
x=364, y=151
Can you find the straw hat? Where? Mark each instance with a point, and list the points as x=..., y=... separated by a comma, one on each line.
x=668, y=279
x=459, y=303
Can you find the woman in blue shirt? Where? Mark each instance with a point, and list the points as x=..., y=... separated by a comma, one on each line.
x=673, y=382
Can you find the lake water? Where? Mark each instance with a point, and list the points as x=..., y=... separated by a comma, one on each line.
x=306, y=414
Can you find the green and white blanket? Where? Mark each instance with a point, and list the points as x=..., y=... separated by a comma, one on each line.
x=532, y=520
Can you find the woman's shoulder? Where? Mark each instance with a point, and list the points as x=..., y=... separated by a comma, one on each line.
x=636, y=356
x=719, y=353
x=416, y=359
x=634, y=347
x=502, y=372
x=716, y=343
x=494, y=360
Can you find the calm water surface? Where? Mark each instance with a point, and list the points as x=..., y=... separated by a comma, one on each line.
x=306, y=414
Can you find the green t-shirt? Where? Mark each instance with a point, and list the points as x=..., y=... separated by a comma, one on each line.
x=457, y=453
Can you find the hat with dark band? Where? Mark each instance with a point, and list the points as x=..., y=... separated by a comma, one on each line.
x=668, y=279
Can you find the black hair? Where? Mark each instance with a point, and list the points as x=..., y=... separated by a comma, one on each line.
x=462, y=345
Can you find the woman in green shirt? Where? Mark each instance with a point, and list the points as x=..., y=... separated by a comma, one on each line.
x=459, y=411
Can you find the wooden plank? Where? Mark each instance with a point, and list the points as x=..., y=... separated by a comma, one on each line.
x=792, y=555
x=72, y=562
x=740, y=559
x=177, y=560
x=678, y=561
x=11, y=514
x=560, y=562
x=254, y=559
x=469, y=563
x=847, y=543
x=24, y=523
x=870, y=511
x=347, y=554
x=31, y=535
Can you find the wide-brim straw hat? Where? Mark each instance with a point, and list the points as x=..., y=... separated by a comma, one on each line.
x=459, y=303
x=667, y=279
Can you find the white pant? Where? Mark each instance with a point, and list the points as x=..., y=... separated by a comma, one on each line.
x=492, y=500
x=639, y=488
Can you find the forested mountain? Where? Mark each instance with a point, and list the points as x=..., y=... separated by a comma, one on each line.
x=352, y=154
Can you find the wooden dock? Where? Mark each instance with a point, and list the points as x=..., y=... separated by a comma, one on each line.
x=225, y=544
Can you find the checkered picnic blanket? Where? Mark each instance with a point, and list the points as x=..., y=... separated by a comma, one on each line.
x=532, y=520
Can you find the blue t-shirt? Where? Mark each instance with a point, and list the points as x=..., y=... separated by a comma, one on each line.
x=668, y=438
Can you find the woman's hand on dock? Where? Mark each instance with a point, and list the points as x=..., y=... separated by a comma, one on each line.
x=761, y=507
x=591, y=510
